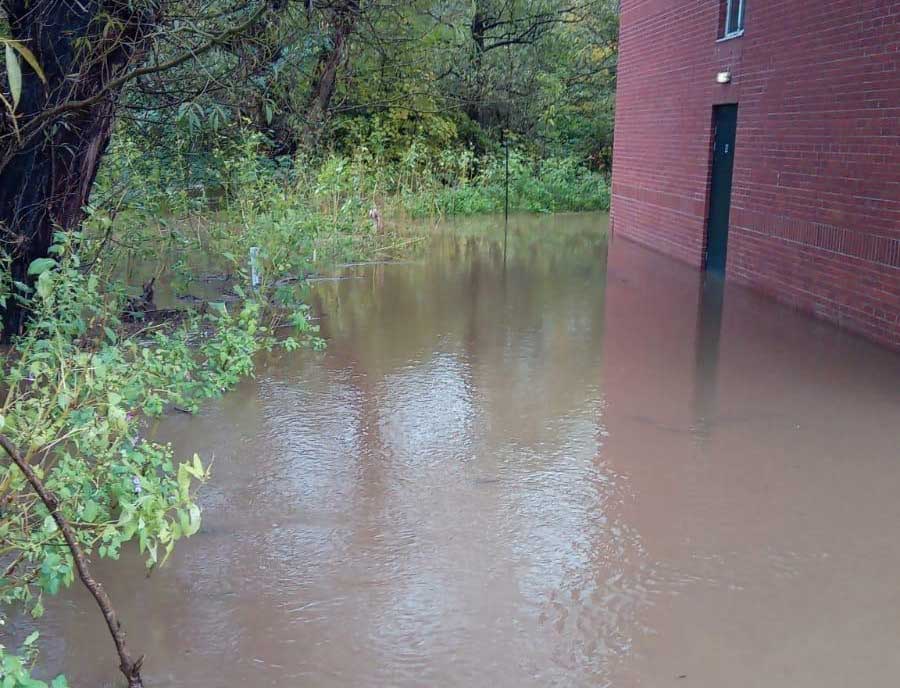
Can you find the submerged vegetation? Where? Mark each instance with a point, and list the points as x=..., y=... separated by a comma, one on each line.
x=230, y=151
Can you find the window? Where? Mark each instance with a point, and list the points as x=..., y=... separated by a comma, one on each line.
x=734, y=18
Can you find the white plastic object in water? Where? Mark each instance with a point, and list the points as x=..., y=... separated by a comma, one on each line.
x=254, y=267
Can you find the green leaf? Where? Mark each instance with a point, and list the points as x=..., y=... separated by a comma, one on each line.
x=41, y=265
x=45, y=285
x=31, y=638
x=151, y=552
x=59, y=682
x=219, y=307
x=49, y=524
x=90, y=511
x=14, y=74
x=183, y=521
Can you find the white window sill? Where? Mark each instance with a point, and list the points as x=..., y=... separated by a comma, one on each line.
x=729, y=36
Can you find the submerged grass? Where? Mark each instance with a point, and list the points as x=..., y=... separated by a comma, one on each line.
x=304, y=215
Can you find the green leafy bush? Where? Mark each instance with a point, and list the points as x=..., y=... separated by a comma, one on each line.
x=78, y=388
x=550, y=185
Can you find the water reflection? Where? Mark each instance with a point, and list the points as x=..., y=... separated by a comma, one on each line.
x=762, y=450
x=591, y=468
x=709, y=331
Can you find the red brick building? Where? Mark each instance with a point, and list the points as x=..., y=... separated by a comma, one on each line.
x=803, y=201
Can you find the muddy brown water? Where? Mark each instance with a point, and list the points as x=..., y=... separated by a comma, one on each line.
x=587, y=468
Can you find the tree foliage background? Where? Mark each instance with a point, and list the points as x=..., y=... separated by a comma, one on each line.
x=181, y=78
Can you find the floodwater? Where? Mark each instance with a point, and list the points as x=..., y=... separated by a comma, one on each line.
x=585, y=468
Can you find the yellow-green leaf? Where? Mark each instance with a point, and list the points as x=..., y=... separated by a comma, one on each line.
x=194, y=524
x=14, y=74
x=29, y=57
x=184, y=480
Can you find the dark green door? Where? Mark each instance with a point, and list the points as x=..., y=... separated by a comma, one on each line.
x=725, y=123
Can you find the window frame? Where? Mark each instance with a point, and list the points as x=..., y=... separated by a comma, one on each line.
x=732, y=32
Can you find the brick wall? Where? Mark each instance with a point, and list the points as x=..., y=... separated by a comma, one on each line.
x=815, y=216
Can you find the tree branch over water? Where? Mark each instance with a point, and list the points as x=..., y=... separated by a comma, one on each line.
x=130, y=667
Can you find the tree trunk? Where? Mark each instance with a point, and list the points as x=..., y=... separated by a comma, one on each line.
x=47, y=180
x=475, y=105
x=343, y=23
